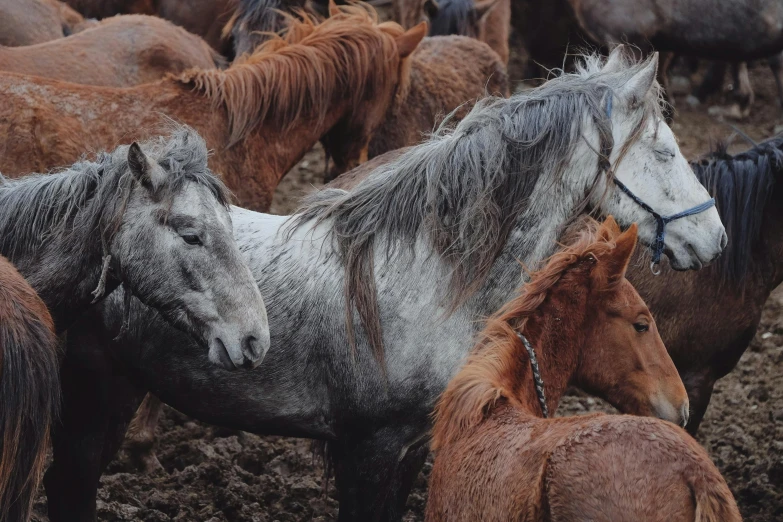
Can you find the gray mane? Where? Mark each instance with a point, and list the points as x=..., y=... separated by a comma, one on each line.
x=468, y=184
x=90, y=196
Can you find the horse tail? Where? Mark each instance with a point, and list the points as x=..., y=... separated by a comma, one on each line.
x=29, y=392
x=714, y=501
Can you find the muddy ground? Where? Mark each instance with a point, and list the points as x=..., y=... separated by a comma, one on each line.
x=216, y=475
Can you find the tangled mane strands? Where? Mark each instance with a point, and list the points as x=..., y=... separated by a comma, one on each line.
x=466, y=187
x=742, y=185
x=298, y=74
x=91, y=195
x=483, y=379
x=264, y=15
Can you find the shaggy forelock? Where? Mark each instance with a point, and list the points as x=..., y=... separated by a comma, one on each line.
x=468, y=184
x=90, y=196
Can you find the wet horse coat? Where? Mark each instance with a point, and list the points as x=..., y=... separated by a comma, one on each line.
x=578, y=321
x=459, y=237
x=259, y=116
x=119, y=52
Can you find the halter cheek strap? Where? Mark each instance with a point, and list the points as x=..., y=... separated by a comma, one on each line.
x=661, y=221
x=539, y=382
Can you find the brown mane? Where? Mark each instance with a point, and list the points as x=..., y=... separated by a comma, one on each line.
x=482, y=379
x=298, y=74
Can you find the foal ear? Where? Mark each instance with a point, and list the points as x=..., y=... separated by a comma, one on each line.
x=616, y=262
x=333, y=9
x=146, y=172
x=609, y=229
x=409, y=40
x=640, y=83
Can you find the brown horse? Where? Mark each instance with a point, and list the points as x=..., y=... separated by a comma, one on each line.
x=447, y=73
x=578, y=321
x=28, y=22
x=29, y=391
x=121, y=51
x=203, y=18
x=260, y=116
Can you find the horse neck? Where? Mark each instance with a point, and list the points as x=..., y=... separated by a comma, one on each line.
x=534, y=238
x=63, y=271
x=556, y=334
x=270, y=152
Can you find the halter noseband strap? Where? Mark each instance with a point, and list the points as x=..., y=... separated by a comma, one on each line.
x=539, y=382
x=661, y=221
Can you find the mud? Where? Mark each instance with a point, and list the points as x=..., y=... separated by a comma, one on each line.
x=212, y=474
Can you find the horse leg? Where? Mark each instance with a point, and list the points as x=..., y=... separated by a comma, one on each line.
x=743, y=90
x=712, y=82
x=374, y=476
x=88, y=434
x=141, y=435
x=776, y=66
x=699, y=394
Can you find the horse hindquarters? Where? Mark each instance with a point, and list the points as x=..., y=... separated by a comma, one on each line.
x=30, y=395
x=596, y=474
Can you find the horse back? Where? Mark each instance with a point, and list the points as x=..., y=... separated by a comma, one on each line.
x=621, y=467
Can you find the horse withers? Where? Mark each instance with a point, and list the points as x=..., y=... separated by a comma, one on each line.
x=577, y=322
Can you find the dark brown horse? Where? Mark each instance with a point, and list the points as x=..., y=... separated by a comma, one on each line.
x=486, y=20
x=29, y=391
x=260, y=116
x=448, y=74
x=577, y=322
x=28, y=22
x=121, y=51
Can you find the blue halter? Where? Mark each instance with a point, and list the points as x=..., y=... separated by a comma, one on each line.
x=661, y=221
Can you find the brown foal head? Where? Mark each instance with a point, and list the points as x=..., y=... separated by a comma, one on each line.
x=623, y=359
x=588, y=327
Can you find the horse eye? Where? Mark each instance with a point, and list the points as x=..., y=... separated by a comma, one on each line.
x=664, y=154
x=641, y=327
x=191, y=239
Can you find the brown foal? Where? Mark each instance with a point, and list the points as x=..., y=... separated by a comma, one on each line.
x=498, y=460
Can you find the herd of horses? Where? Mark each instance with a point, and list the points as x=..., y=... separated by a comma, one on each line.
x=443, y=289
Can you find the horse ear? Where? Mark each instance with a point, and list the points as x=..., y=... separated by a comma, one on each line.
x=333, y=9
x=431, y=8
x=615, y=61
x=609, y=229
x=616, y=262
x=409, y=40
x=483, y=7
x=640, y=83
x=145, y=171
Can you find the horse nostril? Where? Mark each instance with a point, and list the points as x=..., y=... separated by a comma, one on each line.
x=250, y=346
x=724, y=240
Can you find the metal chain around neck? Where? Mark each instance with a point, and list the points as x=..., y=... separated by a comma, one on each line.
x=539, y=382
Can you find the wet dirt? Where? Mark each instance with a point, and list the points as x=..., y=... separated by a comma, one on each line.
x=215, y=475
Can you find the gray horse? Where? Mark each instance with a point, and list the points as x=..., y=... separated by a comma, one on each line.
x=379, y=291
x=152, y=218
